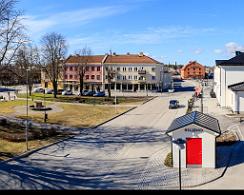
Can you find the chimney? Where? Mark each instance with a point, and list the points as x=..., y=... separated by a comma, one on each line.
x=238, y=53
x=114, y=54
x=141, y=54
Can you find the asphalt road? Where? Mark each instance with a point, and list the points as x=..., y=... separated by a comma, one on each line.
x=112, y=156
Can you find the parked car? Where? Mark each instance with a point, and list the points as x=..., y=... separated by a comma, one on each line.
x=171, y=90
x=38, y=90
x=49, y=91
x=67, y=92
x=100, y=94
x=60, y=91
x=89, y=93
x=174, y=104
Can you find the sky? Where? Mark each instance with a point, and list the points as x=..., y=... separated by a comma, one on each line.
x=171, y=31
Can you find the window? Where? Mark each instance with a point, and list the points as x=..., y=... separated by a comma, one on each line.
x=153, y=69
x=76, y=69
x=118, y=77
x=118, y=69
x=130, y=78
x=76, y=77
x=124, y=69
x=87, y=77
x=65, y=69
x=66, y=76
x=124, y=77
x=87, y=68
x=70, y=76
x=153, y=78
x=71, y=68
x=93, y=77
x=135, y=69
x=106, y=76
x=135, y=77
x=93, y=68
x=98, y=69
x=98, y=77
x=130, y=69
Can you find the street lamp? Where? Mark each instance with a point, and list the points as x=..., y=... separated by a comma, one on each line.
x=180, y=143
x=27, y=108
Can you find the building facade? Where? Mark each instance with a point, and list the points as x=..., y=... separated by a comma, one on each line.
x=228, y=79
x=132, y=72
x=92, y=69
x=193, y=70
x=135, y=73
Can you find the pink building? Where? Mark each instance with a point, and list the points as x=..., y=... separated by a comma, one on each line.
x=93, y=79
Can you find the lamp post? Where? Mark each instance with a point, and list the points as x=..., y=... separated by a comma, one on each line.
x=202, y=83
x=27, y=108
x=180, y=143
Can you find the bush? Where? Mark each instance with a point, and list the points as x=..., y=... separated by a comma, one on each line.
x=169, y=160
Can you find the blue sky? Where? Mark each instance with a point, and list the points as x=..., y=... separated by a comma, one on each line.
x=167, y=30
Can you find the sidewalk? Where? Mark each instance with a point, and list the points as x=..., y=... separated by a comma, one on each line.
x=157, y=176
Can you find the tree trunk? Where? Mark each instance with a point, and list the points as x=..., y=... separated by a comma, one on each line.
x=30, y=89
x=109, y=88
x=81, y=84
x=55, y=89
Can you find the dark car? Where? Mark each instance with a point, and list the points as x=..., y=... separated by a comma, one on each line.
x=60, y=91
x=89, y=93
x=100, y=94
x=173, y=104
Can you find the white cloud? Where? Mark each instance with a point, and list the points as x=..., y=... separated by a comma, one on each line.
x=198, y=51
x=39, y=24
x=232, y=47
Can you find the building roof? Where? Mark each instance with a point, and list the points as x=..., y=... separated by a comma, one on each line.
x=130, y=59
x=90, y=59
x=235, y=61
x=191, y=63
x=237, y=87
x=113, y=59
x=198, y=118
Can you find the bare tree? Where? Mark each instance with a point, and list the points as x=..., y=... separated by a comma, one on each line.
x=27, y=59
x=83, y=56
x=12, y=34
x=110, y=75
x=54, y=50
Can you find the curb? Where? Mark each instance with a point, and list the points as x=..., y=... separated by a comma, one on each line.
x=133, y=108
x=113, y=118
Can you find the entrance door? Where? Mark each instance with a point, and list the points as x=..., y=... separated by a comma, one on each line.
x=194, y=151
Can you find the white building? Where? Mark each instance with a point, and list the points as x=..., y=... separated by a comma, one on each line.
x=229, y=78
x=199, y=132
x=136, y=72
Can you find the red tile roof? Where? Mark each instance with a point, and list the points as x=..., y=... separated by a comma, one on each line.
x=114, y=59
x=130, y=59
x=90, y=59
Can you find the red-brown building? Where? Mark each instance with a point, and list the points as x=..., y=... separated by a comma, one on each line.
x=193, y=70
